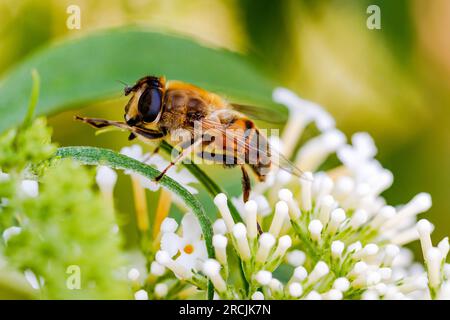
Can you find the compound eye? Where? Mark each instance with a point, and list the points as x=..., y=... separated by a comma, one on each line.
x=149, y=104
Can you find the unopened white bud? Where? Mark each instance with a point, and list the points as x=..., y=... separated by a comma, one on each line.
x=337, y=248
x=342, y=284
x=434, y=259
x=281, y=212
x=275, y=286
x=221, y=202
x=424, y=228
x=258, y=295
x=250, y=218
x=157, y=269
x=370, y=295
x=106, y=179
x=385, y=213
x=266, y=243
x=286, y=196
x=320, y=270
x=313, y=295
x=443, y=245
x=30, y=188
x=211, y=268
x=134, y=274
x=327, y=204
x=358, y=269
x=169, y=225
x=300, y=273
x=315, y=229
x=240, y=234
x=263, y=277
x=284, y=243
x=219, y=227
x=220, y=247
x=337, y=217
x=296, y=258
x=295, y=289
x=333, y=294
x=390, y=252
x=161, y=290
x=141, y=295
x=354, y=247
x=358, y=219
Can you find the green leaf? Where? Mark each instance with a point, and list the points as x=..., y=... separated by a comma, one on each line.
x=87, y=69
x=100, y=156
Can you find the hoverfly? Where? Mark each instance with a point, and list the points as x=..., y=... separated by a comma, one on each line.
x=216, y=129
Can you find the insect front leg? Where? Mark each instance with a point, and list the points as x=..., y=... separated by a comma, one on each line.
x=183, y=154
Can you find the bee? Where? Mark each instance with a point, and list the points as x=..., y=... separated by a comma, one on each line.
x=213, y=129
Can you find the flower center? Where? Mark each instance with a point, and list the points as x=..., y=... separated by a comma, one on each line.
x=189, y=249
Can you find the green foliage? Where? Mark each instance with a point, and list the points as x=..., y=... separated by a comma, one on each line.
x=72, y=76
x=99, y=156
x=69, y=224
x=24, y=145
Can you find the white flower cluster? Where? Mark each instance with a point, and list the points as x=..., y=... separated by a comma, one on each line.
x=332, y=227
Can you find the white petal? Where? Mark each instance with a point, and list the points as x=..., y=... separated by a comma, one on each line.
x=134, y=151
x=30, y=188
x=200, y=250
x=148, y=184
x=191, y=228
x=171, y=243
x=187, y=260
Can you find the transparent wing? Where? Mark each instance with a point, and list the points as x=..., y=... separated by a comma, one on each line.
x=239, y=138
x=259, y=113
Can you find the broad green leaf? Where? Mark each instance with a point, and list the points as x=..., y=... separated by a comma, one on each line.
x=83, y=70
x=100, y=156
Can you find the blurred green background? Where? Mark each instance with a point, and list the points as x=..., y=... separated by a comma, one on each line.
x=393, y=82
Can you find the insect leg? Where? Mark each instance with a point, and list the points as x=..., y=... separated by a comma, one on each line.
x=245, y=184
x=155, y=151
x=183, y=154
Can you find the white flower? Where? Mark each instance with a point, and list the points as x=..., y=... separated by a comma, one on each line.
x=106, y=179
x=181, y=175
x=134, y=274
x=33, y=280
x=30, y=188
x=10, y=232
x=190, y=247
x=141, y=295
x=333, y=226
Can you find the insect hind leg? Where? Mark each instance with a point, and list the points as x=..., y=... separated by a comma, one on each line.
x=246, y=186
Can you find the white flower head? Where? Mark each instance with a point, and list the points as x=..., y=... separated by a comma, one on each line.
x=189, y=248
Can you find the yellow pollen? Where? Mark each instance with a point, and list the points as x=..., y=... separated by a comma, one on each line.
x=188, y=249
